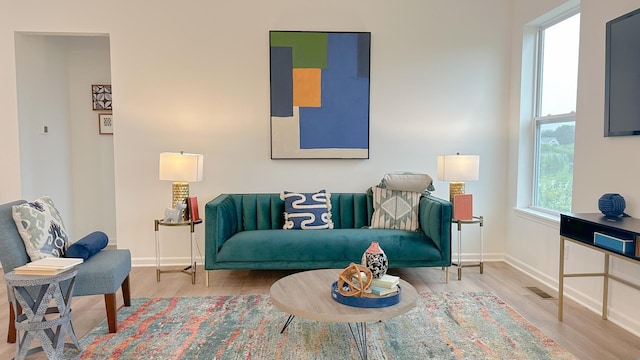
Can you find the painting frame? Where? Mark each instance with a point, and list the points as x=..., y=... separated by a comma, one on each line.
x=320, y=94
x=105, y=124
x=101, y=97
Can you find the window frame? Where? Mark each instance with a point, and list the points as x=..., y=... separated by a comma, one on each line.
x=537, y=119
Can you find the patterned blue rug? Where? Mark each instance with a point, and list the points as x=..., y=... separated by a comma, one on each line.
x=441, y=326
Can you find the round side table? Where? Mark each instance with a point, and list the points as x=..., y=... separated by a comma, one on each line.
x=459, y=264
x=30, y=312
x=189, y=270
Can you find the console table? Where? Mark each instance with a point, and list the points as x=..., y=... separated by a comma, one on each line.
x=579, y=229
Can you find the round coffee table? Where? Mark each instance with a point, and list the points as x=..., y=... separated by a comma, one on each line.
x=308, y=294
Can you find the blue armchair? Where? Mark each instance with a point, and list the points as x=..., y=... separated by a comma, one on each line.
x=102, y=273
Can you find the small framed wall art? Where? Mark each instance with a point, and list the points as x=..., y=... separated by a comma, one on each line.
x=105, y=124
x=101, y=95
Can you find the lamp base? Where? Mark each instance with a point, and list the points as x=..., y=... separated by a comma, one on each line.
x=455, y=188
x=180, y=191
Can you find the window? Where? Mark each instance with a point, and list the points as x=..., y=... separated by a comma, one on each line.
x=554, y=112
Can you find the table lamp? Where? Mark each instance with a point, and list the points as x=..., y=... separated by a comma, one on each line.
x=457, y=169
x=181, y=168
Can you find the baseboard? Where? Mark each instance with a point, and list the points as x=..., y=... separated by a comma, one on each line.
x=475, y=257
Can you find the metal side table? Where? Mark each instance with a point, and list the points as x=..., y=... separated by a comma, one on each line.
x=475, y=220
x=30, y=318
x=189, y=270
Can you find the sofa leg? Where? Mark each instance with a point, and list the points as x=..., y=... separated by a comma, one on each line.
x=206, y=278
x=446, y=276
x=110, y=303
x=126, y=292
x=11, y=334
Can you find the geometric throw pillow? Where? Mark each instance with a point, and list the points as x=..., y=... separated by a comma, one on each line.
x=395, y=209
x=41, y=228
x=307, y=211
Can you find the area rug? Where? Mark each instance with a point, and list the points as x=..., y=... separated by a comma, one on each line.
x=442, y=326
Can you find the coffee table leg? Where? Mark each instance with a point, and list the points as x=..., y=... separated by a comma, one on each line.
x=360, y=337
x=286, y=324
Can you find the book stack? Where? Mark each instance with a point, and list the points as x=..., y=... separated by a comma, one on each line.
x=47, y=266
x=384, y=286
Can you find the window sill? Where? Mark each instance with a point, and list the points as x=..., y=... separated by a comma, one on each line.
x=538, y=216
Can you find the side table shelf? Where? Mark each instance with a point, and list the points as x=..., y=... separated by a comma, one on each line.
x=459, y=264
x=189, y=270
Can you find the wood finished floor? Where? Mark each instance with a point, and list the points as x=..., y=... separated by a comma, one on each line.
x=583, y=332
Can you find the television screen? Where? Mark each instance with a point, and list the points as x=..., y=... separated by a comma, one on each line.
x=622, y=76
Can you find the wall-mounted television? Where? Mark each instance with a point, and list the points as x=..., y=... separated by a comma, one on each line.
x=622, y=76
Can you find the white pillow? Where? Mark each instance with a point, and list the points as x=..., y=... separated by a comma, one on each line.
x=407, y=181
x=41, y=228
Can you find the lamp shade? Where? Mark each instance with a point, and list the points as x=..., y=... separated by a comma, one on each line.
x=458, y=167
x=181, y=166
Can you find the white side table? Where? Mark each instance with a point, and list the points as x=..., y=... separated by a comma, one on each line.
x=475, y=220
x=189, y=270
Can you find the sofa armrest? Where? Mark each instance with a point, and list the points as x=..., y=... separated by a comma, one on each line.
x=221, y=222
x=435, y=222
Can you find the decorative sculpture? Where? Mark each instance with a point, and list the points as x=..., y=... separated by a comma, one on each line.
x=351, y=281
x=174, y=215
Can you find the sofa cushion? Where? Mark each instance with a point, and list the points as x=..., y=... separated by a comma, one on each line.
x=41, y=228
x=346, y=245
x=307, y=211
x=395, y=209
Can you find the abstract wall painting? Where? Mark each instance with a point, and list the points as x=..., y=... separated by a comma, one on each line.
x=319, y=94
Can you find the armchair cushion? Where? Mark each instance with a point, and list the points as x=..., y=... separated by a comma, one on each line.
x=41, y=228
x=88, y=245
x=103, y=273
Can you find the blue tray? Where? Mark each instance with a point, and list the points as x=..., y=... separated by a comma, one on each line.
x=365, y=302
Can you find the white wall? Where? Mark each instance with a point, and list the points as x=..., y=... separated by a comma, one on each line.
x=195, y=77
x=72, y=163
x=601, y=165
x=92, y=165
x=42, y=84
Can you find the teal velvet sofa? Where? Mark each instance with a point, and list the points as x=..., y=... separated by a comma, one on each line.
x=244, y=231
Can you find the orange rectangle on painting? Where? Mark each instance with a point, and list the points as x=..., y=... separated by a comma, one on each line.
x=306, y=87
x=463, y=207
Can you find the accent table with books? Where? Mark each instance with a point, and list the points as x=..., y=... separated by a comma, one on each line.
x=30, y=313
x=308, y=294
